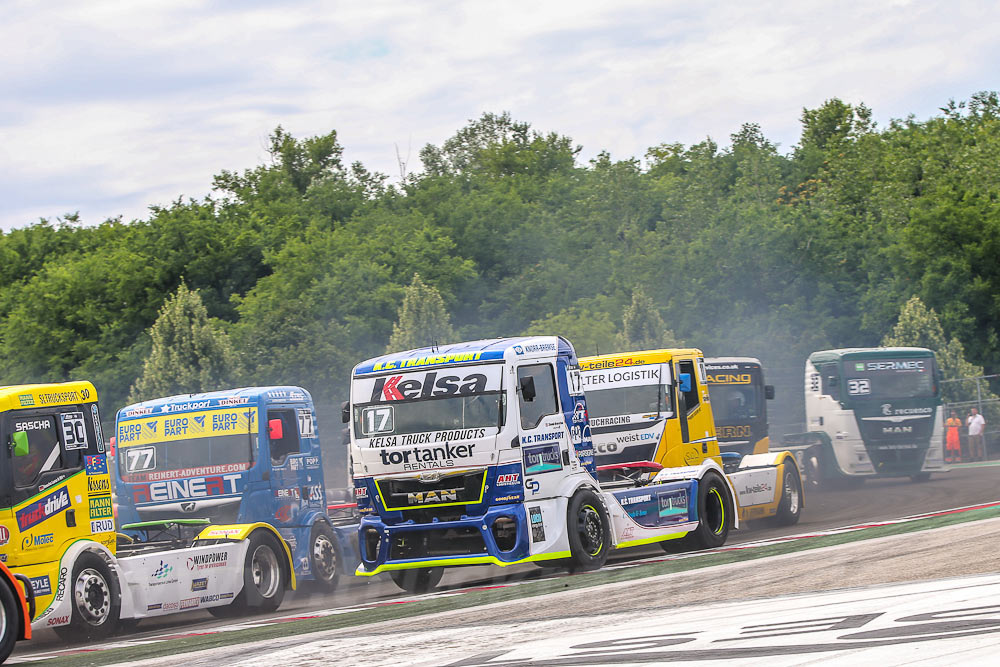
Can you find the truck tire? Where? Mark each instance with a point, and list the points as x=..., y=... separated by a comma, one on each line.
x=10, y=618
x=790, y=505
x=813, y=460
x=95, y=600
x=324, y=557
x=715, y=515
x=418, y=581
x=263, y=577
x=589, y=532
x=920, y=477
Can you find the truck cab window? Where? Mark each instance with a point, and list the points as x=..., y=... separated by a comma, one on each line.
x=829, y=381
x=691, y=398
x=544, y=401
x=44, y=452
x=288, y=443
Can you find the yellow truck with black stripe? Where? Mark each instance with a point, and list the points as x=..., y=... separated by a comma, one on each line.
x=739, y=403
x=650, y=415
x=58, y=532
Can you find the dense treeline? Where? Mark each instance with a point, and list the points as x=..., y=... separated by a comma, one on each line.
x=303, y=262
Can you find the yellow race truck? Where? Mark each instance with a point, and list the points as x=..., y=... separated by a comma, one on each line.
x=650, y=415
x=58, y=532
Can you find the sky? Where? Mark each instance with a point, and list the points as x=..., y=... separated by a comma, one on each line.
x=109, y=107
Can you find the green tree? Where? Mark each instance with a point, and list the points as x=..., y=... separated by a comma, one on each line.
x=189, y=355
x=591, y=331
x=423, y=319
x=643, y=328
x=919, y=326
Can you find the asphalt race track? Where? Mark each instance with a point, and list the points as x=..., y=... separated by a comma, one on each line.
x=873, y=501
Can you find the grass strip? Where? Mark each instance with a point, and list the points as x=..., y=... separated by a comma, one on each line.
x=390, y=612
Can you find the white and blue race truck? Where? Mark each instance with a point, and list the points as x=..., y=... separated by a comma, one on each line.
x=480, y=453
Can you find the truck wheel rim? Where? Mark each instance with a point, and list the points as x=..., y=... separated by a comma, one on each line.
x=591, y=534
x=791, y=492
x=264, y=570
x=715, y=511
x=92, y=596
x=3, y=621
x=324, y=558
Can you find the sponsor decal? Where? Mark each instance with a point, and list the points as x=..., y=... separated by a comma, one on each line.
x=44, y=508
x=537, y=525
x=287, y=493
x=722, y=367
x=673, y=505
x=886, y=430
x=579, y=413
x=432, y=496
x=137, y=412
x=535, y=347
x=295, y=463
x=102, y=526
x=361, y=492
x=202, y=471
x=181, y=489
x=730, y=378
x=533, y=485
x=4, y=535
x=431, y=457
x=180, y=407
x=51, y=483
x=41, y=585
x=209, y=560
x=163, y=571
x=57, y=620
x=631, y=377
x=215, y=598
x=61, y=397
x=611, y=363
x=907, y=365
x=154, y=607
x=541, y=459
x=96, y=464
x=61, y=586
x=315, y=493
x=26, y=400
x=734, y=431
x=394, y=388
x=515, y=498
x=98, y=485
x=430, y=360
x=223, y=533
x=101, y=508
x=169, y=606
x=189, y=603
x=427, y=438
x=540, y=437
x=312, y=462
x=234, y=400
x=200, y=584
x=509, y=480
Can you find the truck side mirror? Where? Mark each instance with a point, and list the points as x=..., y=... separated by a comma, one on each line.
x=274, y=429
x=527, y=385
x=345, y=412
x=684, y=382
x=20, y=440
x=769, y=391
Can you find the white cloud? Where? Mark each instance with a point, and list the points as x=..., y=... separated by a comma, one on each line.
x=111, y=107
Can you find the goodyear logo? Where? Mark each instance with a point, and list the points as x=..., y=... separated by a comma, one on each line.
x=26, y=400
x=100, y=507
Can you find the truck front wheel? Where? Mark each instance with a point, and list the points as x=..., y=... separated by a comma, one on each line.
x=589, y=532
x=418, y=581
x=10, y=615
x=715, y=515
x=95, y=602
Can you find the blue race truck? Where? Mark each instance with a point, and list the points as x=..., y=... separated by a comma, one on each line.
x=481, y=453
x=237, y=456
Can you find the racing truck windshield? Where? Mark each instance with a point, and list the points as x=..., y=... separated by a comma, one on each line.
x=177, y=459
x=485, y=410
x=648, y=398
x=733, y=403
x=890, y=378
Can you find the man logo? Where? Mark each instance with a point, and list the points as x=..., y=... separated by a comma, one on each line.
x=887, y=409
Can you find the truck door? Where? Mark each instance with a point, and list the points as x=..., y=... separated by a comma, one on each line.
x=543, y=438
x=53, y=504
x=295, y=479
x=688, y=402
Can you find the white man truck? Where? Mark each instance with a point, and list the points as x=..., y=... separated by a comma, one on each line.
x=871, y=412
x=481, y=453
